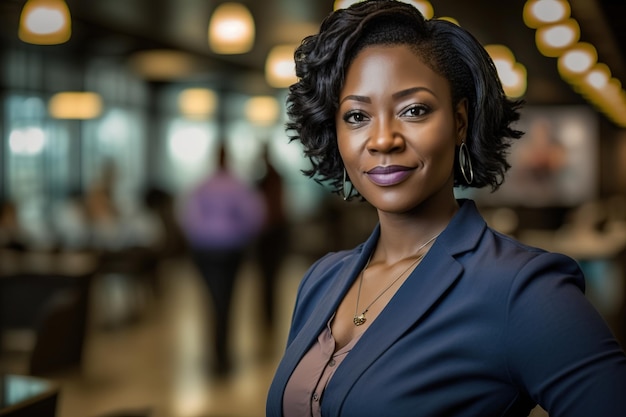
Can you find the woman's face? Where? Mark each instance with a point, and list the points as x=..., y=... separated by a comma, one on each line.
x=397, y=129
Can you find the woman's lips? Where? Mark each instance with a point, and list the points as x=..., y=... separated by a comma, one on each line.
x=388, y=175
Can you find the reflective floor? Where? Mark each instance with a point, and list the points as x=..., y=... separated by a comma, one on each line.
x=156, y=364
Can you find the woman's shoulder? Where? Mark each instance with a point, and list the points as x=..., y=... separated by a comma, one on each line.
x=504, y=255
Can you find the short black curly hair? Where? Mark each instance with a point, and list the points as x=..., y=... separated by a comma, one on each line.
x=323, y=59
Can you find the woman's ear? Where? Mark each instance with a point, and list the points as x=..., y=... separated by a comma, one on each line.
x=461, y=120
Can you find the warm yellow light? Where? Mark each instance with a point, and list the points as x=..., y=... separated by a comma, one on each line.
x=344, y=4
x=577, y=60
x=558, y=35
x=262, y=110
x=280, y=70
x=197, y=103
x=422, y=5
x=594, y=83
x=425, y=8
x=612, y=90
x=537, y=13
x=500, y=53
x=552, y=40
x=512, y=74
x=231, y=29
x=162, y=64
x=598, y=77
x=449, y=19
x=612, y=100
x=514, y=82
x=45, y=22
x=75, y=105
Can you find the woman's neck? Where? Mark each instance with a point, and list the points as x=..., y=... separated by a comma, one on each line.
x=401, y=235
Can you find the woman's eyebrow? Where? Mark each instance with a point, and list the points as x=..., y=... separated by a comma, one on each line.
x=362, y=99
x=410, y=91
x=399, y=94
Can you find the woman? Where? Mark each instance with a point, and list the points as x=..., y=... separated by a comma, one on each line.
x=435, y=314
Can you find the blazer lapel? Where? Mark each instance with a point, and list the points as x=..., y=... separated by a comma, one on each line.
x=319, y=317
x=430, y=280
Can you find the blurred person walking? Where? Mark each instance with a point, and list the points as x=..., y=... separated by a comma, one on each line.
x=273, y=242
x=220, y=219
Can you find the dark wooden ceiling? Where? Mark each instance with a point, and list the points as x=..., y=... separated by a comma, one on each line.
x=117, y=28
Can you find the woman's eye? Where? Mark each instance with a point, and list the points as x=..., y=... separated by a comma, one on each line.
x=354, y=117
x=415, y=111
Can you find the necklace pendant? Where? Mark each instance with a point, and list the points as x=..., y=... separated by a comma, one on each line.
x=359, y=320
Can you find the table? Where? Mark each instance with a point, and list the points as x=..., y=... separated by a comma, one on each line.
x=22, y=396
x=47, y=295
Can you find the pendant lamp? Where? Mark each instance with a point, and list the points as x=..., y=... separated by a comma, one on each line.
x=231, y=29
x=45, y=22
x=197, y=103
x=553, y=40
x=280, y=70
x=262, y=110
x=77, y=105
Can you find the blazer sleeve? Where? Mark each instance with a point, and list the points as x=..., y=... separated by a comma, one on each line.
x=560, y=347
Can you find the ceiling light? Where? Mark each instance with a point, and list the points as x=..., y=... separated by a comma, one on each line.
x=45, y=22
x=612, y=101
x=262, y=110
x=599, y=76
x=577, y=60
x=552, y=40
x=231, y=29
x=162, y=64
x=612, y=91
x=344, y=4
x=540, y=12
x=425, y=8
x=500, y=53
x=515, y=81
x=280, y=69
x=197, y=103
x=577, y=64
x=422, y=5
x=75, y=105
x=594, y=83
x=512, y=74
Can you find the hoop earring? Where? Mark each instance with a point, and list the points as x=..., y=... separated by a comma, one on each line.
x=343, y=187
x=465, y=162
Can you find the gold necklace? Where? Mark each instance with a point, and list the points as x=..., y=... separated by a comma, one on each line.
x=359, y=319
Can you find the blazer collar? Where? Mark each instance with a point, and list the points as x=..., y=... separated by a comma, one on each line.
x=464, y=230
x=462, y=234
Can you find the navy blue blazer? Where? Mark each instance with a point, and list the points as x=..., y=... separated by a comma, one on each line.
x=484, y=326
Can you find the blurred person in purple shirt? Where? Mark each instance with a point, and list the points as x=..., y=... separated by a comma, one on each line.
x=221, y=217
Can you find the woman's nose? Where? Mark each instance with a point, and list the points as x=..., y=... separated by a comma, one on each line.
x=385, y=138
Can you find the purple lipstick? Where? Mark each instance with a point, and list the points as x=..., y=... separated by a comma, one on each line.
x=389, y=175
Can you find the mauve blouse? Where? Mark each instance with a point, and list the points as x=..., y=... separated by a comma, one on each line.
x=305, y=388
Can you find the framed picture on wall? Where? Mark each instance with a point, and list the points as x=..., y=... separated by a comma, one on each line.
x=554, y=163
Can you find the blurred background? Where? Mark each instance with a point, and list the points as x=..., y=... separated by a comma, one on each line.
x=113, y=111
